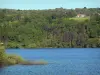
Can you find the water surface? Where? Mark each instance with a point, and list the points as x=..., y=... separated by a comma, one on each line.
x=67, y=61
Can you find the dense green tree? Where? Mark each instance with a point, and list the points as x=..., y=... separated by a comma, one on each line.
x=50, y=28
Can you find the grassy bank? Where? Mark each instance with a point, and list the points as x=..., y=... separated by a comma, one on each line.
x=7, y=60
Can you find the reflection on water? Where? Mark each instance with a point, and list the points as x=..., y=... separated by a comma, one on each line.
x=64, y=62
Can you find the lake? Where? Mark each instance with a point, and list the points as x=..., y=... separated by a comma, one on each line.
x=62, y=61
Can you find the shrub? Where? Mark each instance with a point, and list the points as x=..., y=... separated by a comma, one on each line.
x=13, y=59
x=2, y=55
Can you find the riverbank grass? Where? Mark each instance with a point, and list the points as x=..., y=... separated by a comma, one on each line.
x=13, y=59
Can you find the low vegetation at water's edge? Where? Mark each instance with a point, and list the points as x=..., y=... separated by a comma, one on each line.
x=7, y=60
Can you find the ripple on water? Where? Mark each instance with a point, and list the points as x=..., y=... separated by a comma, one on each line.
x=53, y=69
x=67, y=62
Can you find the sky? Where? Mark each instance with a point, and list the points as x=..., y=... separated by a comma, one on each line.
x=48, y=4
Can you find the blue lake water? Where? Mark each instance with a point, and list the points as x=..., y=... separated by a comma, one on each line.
x=67, y=61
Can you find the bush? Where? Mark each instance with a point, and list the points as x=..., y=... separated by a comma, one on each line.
x=2, y=54
x=13, y=59
x=7, y=60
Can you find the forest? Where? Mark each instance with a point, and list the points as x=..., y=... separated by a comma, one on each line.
x=50, y=28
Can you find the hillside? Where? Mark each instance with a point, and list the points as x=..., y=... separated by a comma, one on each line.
x=53, y=28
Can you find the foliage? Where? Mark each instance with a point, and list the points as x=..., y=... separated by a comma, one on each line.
x=13, y=59
x=80, y=19
x=8, y=59
x=2, y=54
x=51, y=28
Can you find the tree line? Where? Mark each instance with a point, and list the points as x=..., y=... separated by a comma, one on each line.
x=50, y=28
